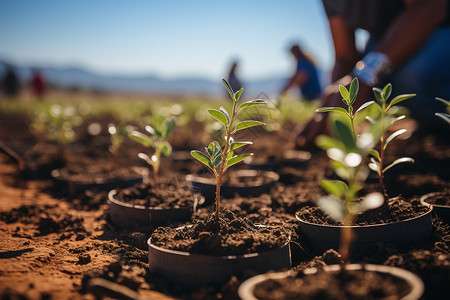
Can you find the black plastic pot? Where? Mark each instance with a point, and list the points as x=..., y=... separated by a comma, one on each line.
x=417, y=287
x=442, y=211
x=102, y=184
x=401, y=234
x=126, y=215
x=194, y=270
x=207, y=185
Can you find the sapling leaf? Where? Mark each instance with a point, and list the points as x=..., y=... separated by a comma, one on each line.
x=229, y=89
x=219, y=116
x=374, y=165
x=237, y=158
x=399, y=161
x=336, y=154
x=252, y=103
x=142, y=138
x=145, y=157
x=201, y=157
x=370, y=201
x=217, y=160
x=375, y=153
x=365, y=105
x=166, y=148
x=387, y=90
x=393, y=120
x=169, y=125
x=247, y=124
x=444, y=117
x=393, y=136
x=334, y=187
x=399, y=99
x=238, y=94
x=443, y=101
x=378, y=95
x=354, y=87
x=230, y=154
x=224, y=111
x=336, y=109
x=236, y=145
x=340, y=169
x=344, y=93
x=326, y=142
x=370, y=119
x=332, y=206
x=345, y=135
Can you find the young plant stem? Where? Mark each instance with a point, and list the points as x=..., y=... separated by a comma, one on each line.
x=222, y=166
x=346, y=237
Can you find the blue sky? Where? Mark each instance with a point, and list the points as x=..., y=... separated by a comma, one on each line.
x=167, y=38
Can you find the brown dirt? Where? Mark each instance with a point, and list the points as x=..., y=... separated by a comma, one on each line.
x=53, y=243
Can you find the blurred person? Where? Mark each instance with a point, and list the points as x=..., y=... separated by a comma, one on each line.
x=409, y=46
x=233, y=79
x=10, y=83
x=305, y=76
x=38, y=84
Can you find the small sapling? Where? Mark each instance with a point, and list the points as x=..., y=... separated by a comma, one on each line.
x=444, y=116
x=220, y=157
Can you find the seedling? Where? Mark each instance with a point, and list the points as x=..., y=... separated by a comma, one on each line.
x=378, y=161
x=58, y=124
x=444, y=116
x=158, y=129
x=347, y=152
x=118, y=133
x=219, y=158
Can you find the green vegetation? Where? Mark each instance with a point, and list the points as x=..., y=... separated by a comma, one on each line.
x=220, y=157
x=444, y=116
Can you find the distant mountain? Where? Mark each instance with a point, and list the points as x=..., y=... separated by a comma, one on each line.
x=75, y=77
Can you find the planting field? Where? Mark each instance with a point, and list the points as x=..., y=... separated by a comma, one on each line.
x=55, y=237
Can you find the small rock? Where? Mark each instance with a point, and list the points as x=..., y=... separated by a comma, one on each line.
x=84, y=258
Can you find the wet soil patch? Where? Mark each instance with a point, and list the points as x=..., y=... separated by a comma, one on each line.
x=230, y=236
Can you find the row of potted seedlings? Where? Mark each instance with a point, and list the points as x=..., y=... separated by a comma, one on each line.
x=212, y=250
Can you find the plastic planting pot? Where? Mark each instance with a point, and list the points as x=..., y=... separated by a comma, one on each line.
x=442, y=211
x=102, y=184
x=126, y=215
x=417, y=287
x=321, y=237
x=194, y=270
x=207, y=185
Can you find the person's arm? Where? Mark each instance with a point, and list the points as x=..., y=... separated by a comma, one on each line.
x=298, y=79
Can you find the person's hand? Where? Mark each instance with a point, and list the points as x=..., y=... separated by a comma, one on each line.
x=317, y=125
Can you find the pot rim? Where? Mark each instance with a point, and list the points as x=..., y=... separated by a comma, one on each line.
x=365, y=226
x=245, y=290
x=140, y=173
x=113, y=192
x=423, y=199
x=222, y=257
x=206, y=180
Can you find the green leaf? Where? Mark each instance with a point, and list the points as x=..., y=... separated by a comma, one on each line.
x=252, y=103
x=341, y=170
x=378, y=95
x=336, y=109
x=237, y=158
x=217, y=160
x=447, y=103
x=344, y=133
x=211, y=149
x=365, y=105
x=399, y=99
x=370, y=201
x=334, y=187
x=166, y=148
x=326, y=142
x=387, y=90
x=229, y=89
x=230, y=154
x=393, y=136
x=201, y=157
x=354, y=87
x=247, y=124
x=169, y=125
x=332, y=206
x=238, y=94
x=344, y=93
x=236, y=145
x=399, y=161
x=393, y=120
x=370, y=119
x=219, y=116
x=443, y=116
x=142, y=138
x=224, y=111
x=374, y=153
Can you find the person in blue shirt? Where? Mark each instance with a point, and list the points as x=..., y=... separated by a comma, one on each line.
x=305, y=76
